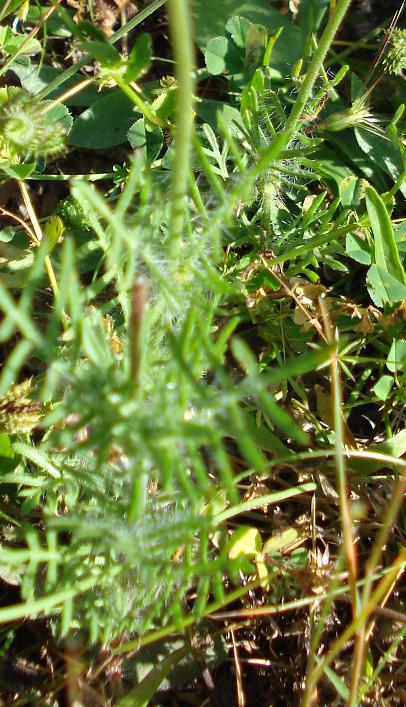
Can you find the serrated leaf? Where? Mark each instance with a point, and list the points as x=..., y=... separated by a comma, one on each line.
x=223, y=56
x=17, y=171
x=238, y=28
x=53, y=230
x=211, y=16
x=350, y=191
x=104, y=52
x=9, y=42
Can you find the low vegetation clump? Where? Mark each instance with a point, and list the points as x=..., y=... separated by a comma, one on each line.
x=203, y=339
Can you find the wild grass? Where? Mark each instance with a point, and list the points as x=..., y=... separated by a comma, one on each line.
x=184, y=355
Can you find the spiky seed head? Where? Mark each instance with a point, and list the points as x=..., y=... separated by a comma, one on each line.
x=394, y=60
x=28, y=127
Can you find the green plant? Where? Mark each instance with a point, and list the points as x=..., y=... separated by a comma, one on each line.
x=184, y=435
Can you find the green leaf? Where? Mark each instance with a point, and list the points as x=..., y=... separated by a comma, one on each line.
x=8, y=458
x=358, y=249
x=393, y=446
x=211, y=16
x=53, y=230
x=386, y=250
x=397, y=355
x=59, y=114
x=338, y=683
x=350, y=190
x=383, y=387
x=222, y=56
x=346, y=143
x=278, y=541
x=149, y=140
x=55, y=24
x=140, y=58
x=105, y=123
x=237, y=28
x=104, y=52
x=9, y=42
x=208, y=111
x=382, y=152
x=17, y=171
x=245, y=543
x=383, y=287
x=9, y=8
x=34, y=79
x=141, y=695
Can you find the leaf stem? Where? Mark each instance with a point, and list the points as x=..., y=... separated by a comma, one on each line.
x=182, y=42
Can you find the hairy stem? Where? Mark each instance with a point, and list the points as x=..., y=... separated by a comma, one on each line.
x=182, y=42
x=272, y=153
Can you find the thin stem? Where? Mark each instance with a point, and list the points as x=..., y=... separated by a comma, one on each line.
x=273, y=152
x=140, y=17
x=317, y=630
x=341, y=471
x=73, y=91
x=354, y=626
x=140, y=103
x=38, y=234
x=182, y=42
x=27, y=40
x=22, y=223
x=362, y=634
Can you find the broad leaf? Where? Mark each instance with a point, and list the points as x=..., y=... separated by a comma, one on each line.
x=211, y=17
x=358, y=249
x=105, y=123
x=149, y=140
x=381, y=151
x=383, y=287
x=397, y=355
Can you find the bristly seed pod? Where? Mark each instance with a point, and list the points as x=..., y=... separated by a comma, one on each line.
x=394, y=60
x=18, y=413
x=31, y=127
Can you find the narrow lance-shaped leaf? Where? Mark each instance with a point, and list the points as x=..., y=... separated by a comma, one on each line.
x=386, y=250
